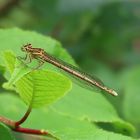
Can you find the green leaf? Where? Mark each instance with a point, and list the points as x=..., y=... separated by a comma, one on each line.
x=14, y=39
x=63, y=127
x=5, y=133
x=132, y=95
x=11, y=107
x=10, y=59
x=16, y=68
x=42, y=87
x=79, y=104
x=2, y=69
x=84, y=104
x=66, y=128
x=36, y=87
x=19, y=71
x=57, y=82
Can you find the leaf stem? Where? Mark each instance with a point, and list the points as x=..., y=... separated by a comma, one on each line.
x=23, y=119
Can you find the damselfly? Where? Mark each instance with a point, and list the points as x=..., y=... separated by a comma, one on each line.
x=42, y=56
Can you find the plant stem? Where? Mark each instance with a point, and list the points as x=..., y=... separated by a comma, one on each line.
x=31, y=131
x=13, y=125
x=8, y=122
x=34, y=131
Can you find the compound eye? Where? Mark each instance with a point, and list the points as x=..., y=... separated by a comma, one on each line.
x=29, y=45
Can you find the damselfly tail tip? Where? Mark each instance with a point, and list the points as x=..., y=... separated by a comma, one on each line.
x=114, y=93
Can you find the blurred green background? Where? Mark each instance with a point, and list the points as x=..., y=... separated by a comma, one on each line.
x=103, y=36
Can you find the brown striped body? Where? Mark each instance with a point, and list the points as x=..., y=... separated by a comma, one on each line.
x=40, y=53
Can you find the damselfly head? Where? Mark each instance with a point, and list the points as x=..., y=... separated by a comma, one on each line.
x=26, y=47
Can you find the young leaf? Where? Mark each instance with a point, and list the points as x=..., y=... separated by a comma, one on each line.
x=9, y=59
x=16, y=68
x=42, y=87
x=36, y=87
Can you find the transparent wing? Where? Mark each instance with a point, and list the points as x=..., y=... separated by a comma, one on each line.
x=74, y=78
